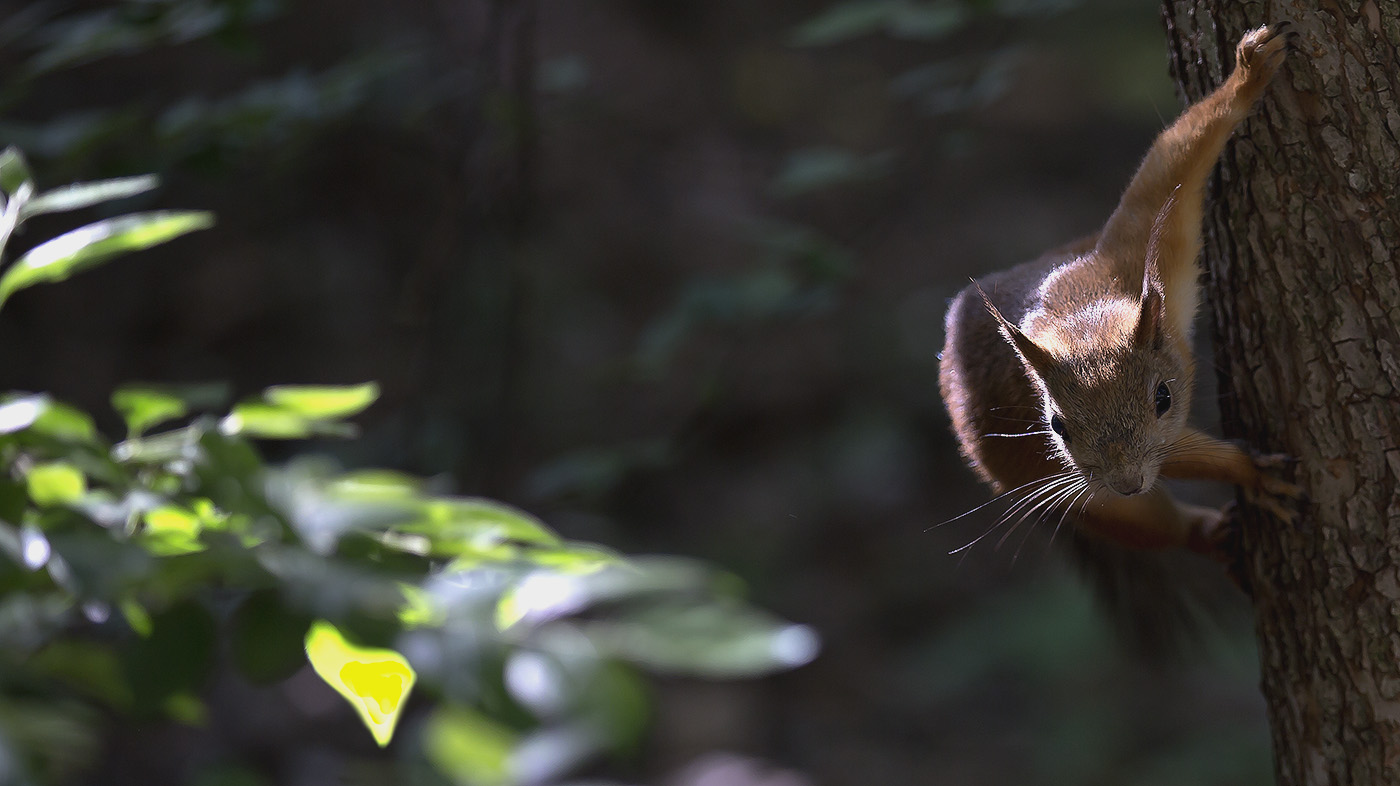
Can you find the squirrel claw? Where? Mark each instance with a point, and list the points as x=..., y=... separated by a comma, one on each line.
x=1261, y=51
x=1278, y=496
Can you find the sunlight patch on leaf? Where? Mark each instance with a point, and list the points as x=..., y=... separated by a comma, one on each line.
x=80, y=195
x=172, y=530
x=57, y=259
x=324, y=402
x=55, y=483
x=375, y=681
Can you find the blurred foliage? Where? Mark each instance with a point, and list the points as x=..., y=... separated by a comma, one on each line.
x=128, y=566
x=276, y=115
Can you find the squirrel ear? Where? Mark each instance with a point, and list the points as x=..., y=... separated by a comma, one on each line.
x=1152, y=316
x=1036, y=359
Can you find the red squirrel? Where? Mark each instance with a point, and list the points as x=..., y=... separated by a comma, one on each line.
x=1069, y=378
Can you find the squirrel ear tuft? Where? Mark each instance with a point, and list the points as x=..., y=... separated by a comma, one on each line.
x=1035, y=358
x=1152, y=316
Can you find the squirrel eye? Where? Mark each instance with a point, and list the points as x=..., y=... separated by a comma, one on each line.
x=1058, y=426
x=1164, y=399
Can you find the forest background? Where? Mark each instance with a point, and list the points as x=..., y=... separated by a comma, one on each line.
x=670, y=276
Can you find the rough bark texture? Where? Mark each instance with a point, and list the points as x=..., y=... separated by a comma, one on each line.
x=1301, y=248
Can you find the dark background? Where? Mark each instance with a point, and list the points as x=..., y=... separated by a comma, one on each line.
x=674, y=281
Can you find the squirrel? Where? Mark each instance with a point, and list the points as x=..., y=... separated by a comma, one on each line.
x=1090, y=346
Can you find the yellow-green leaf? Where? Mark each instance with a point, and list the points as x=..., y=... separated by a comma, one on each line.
x=137, y=617
x=172, y=530
x=56, y=483
x=375, y=681
x=467, y=748
x=323, y=402
x=143, y=408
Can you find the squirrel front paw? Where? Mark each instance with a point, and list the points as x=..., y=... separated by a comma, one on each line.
x=1270, y=491
x=1261, y=52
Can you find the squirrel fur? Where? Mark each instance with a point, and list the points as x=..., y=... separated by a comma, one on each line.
x=1069, y=378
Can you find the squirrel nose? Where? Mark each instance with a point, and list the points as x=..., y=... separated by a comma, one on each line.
x=1128, y=485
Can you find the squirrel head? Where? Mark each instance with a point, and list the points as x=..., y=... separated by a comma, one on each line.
x=1114, y=384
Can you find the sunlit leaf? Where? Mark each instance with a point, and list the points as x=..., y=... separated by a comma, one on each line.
x=268, y=421
x=325, y=402
x=143, y=408
x=469, y=749
x=171, y=530
x=80, y=195
x=61, y=257
x=377, y=485
x=461, y=525
x=545, y=595
x=14, y=170
x=375, y=681
x=66, y=424
x=55, y=483
x=419, y=610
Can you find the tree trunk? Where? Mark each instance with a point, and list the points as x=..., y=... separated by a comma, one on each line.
x=1301, y=249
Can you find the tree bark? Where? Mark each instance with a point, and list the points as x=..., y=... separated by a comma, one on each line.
x=1301, y=253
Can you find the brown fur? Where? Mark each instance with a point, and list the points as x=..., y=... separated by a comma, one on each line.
x=1088, y=333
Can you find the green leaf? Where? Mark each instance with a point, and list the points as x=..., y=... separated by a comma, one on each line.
x=266, y=421
x=143, y=408
x=61, y=257
x=481, y=520
x=80, y=195
x=375, y=681
x=65, y=424
x=171, y=530
x=469, y=748
x=55, y=483
x=137, y=617
x=14, y=170
x=325, y=402
x=713, y=640
x=300, y=411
